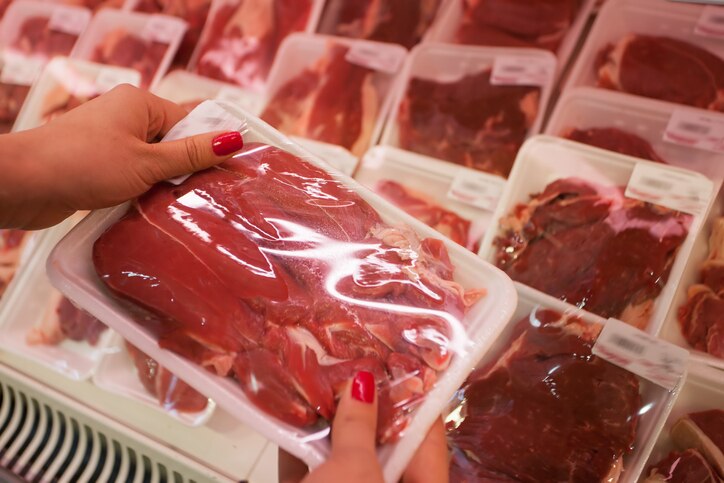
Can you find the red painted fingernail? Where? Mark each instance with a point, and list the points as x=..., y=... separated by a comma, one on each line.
x=227, y=143
x=363, y=387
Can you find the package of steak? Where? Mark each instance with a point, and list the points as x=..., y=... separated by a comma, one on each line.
x=472, y=106
x=30, y=34
x=331, y=89
x=189, y=90
x=605, y=232
x=266, y=283
x=458, y=202
x=128, y=372
x=696, y=318
x=690, y=446
x=644, y=128
x=336, y=156
x=140, y=41
x=670, y=51
x=39, y=324
x=67, y=83
x=552, y=25
x=562, y=396
x=241, y=38
x=402, y=22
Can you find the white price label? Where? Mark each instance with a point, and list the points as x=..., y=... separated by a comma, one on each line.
x=19, y=69
x=521, y=71
x=109, y=77
x=69, y=20
x=477, y=189
x=679, y=190
x=711, y=22
x=379, y=58
x=694, y=129
x=163, y=29
x=642, y=354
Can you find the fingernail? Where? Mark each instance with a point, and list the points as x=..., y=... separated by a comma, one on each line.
x=227, y=143
x=363, y=387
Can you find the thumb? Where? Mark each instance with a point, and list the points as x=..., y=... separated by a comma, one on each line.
x=191, y=154
x=354, y=429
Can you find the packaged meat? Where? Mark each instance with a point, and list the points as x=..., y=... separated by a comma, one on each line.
x=573, y=225
x=67, y=83
x=551, y=25
x=307, y=221
x=189, y=90
x=128, y=372
x=422, y=187
x=241, y=38
x=332, y=90
x=690, y=446
x=12, y=244
x=634, y=126
x=542, y=407
x=40, y=325
x=651, y=49
x=449, y=108
x=144, y=42
x=401, y=22
x=336, y=156
x=30, y=33
x=193, y=12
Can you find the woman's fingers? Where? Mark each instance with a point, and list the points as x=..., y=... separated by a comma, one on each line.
x=291, y=470
x=355, y=425
x=430, y=462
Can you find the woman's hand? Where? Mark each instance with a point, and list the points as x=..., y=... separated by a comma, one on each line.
x=353, y=458
x=98, y=155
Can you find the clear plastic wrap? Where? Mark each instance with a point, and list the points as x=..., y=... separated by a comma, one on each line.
x=241, y=38
x=542, y=407
x=290, y=280
x=331, y=90
x=574, y=225
x=146, y=43
x=401, y=22
x=449, y=108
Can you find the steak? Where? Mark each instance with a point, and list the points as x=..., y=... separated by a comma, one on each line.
x=663, y=68
x=544, y=409
x=589, y=245
x=278, y=275
x=469, y=122
x=613, y=139
x=703, y=431
x=64, y=321
x=123, y=49
x=687, y=466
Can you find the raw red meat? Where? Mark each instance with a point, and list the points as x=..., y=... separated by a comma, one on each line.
x=428, y=211
x=589, y=245
x=401, y=22
x=517, y=23
x=687, y=466
x=12, y=97
x=334, y=101
x=272, y=271
x=663, y=68
x=127, y=50
x=242, y=38
x=62, y=321
x=12, y=243
x=616, y=140
x=700, y=318
x=173, y=394
x=468, y=122
x=35, y=37
x=544, y=409
x=4, y=4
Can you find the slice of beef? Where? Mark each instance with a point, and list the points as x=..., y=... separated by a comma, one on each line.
x=64, y=321
x=544, y=409
x=687, y=466
x=703, y=431
x=617, y=140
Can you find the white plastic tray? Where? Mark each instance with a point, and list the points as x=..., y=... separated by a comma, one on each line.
x=116, y=373
x=71, y=270
x=586, y=107
x=450, y=16
x=301, y=51
x=336, y=156
x=449, y=63
x=107, y=20
x=544, y=159
x=618, y=18
x=18, y=12
x=425, y=175
x=28, y=299
x=72, y=75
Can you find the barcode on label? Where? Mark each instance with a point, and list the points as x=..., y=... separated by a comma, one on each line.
x=513, y=68
x=521, y=70
x=476, y=189
x=718, y=19
x=694, y=128
x=68, y=20
x=656, y=183
x=628, y=344
x=711, y=22
x=163, y=29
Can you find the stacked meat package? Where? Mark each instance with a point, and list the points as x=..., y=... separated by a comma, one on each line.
x=509, y=212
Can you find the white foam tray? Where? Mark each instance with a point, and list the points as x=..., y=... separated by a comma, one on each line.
x=71, y=270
